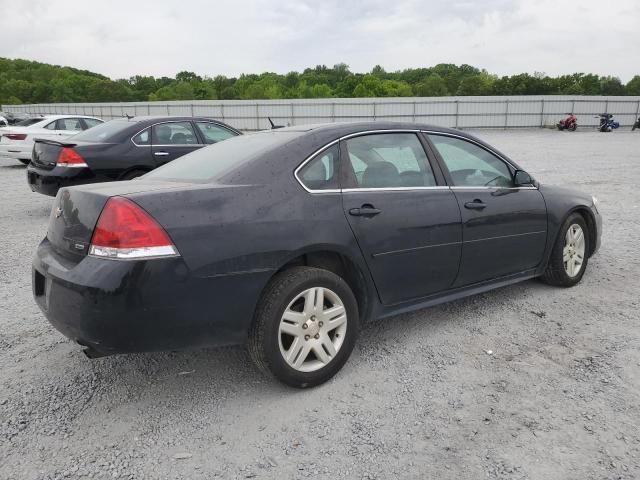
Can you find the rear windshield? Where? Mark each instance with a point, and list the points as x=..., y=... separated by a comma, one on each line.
x=28, y=121
x=103, y=132
x=211, y=164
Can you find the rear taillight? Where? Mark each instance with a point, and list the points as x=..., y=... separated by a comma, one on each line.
x=15, y=136
x=125, y=231
x=68, y=157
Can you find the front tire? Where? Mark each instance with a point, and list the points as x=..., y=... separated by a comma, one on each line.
x=305, y=326
x=570, y=255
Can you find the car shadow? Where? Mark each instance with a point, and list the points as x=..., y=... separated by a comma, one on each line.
x=13, y=167
x=231, y=370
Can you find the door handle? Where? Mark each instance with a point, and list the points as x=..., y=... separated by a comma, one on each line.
x=161, y=154
x=365, y=210
x=477, y=204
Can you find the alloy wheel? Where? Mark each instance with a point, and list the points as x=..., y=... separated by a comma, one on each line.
x=573, y=251
x=312, y=329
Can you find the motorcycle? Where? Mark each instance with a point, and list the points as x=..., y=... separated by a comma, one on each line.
x=607, y=123
x=570, y=123
x=636, y=125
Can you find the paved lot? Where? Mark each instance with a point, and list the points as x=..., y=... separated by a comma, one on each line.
x=558, y=397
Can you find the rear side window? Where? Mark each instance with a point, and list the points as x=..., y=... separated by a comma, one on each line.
x=51, y=126
x=143, y=138
x=321, y=173
x=213, y=133
x=388, y=160
x=173, y=133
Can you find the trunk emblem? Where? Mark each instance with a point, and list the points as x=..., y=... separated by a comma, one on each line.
x=57, y=212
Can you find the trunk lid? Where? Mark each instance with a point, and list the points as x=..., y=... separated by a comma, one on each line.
x=76, y=210
x=46, y=152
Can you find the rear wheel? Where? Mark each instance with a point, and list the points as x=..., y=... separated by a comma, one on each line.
x=305, y=326
x=569, y=257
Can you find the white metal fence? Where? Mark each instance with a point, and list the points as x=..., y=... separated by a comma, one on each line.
x=458, y=112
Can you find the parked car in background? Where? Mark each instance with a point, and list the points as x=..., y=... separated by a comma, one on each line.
x=17, y=141
x=3, y=121
x=290, y=239
x=14, y=118
x=120, y=149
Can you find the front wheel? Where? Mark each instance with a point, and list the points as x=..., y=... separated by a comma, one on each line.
x=570, y=255
x=305, y=326
x=635, y=125
x=573, y=127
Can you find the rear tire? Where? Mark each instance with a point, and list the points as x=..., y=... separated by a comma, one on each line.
x=305, y=326
x=571, y=247
x=133, y=174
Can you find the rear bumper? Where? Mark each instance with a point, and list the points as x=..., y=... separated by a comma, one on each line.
x=48, y=182
x=16, y=151
x=115, y=306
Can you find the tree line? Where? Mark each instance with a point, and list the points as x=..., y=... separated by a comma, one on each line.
x=23, y=81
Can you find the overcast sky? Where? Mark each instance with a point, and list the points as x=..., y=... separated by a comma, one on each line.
x=122, y=38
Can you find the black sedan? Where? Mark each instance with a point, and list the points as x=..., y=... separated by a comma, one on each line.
x=121, y=149
x=291, y=239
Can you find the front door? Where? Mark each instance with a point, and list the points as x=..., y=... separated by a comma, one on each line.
x=504, y=227
x=171, y=140
x=406, y=221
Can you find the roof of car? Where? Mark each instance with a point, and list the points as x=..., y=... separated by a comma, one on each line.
x=145, y=118
x=345, y=128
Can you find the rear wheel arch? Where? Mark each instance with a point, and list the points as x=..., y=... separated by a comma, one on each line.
x=343, y=266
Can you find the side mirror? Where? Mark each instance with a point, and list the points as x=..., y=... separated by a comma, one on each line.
x=522, y=178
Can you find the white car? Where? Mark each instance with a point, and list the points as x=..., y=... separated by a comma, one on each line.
x=17, y=142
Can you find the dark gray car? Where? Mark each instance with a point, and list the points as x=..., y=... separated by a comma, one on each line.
x=290, y=240
x=120, y=149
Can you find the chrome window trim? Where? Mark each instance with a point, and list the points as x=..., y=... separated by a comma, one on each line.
x=383, y=189
x=172, y=145
x=393, y=189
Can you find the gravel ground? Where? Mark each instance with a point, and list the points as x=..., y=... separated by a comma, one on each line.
x=526, y=382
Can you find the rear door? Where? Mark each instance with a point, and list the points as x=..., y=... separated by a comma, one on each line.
x=171, y=140
x=504, y=227
x=405, y=219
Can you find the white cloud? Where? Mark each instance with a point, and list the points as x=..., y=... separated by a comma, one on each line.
x=120, y=39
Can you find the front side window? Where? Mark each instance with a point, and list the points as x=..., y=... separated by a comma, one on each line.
x=470, y=165
x=388, y=160
x=173, y=133
x=321, y=173
x=213, y=133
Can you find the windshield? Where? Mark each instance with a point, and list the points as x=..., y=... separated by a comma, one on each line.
x=103, y=132
x=211, y=164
